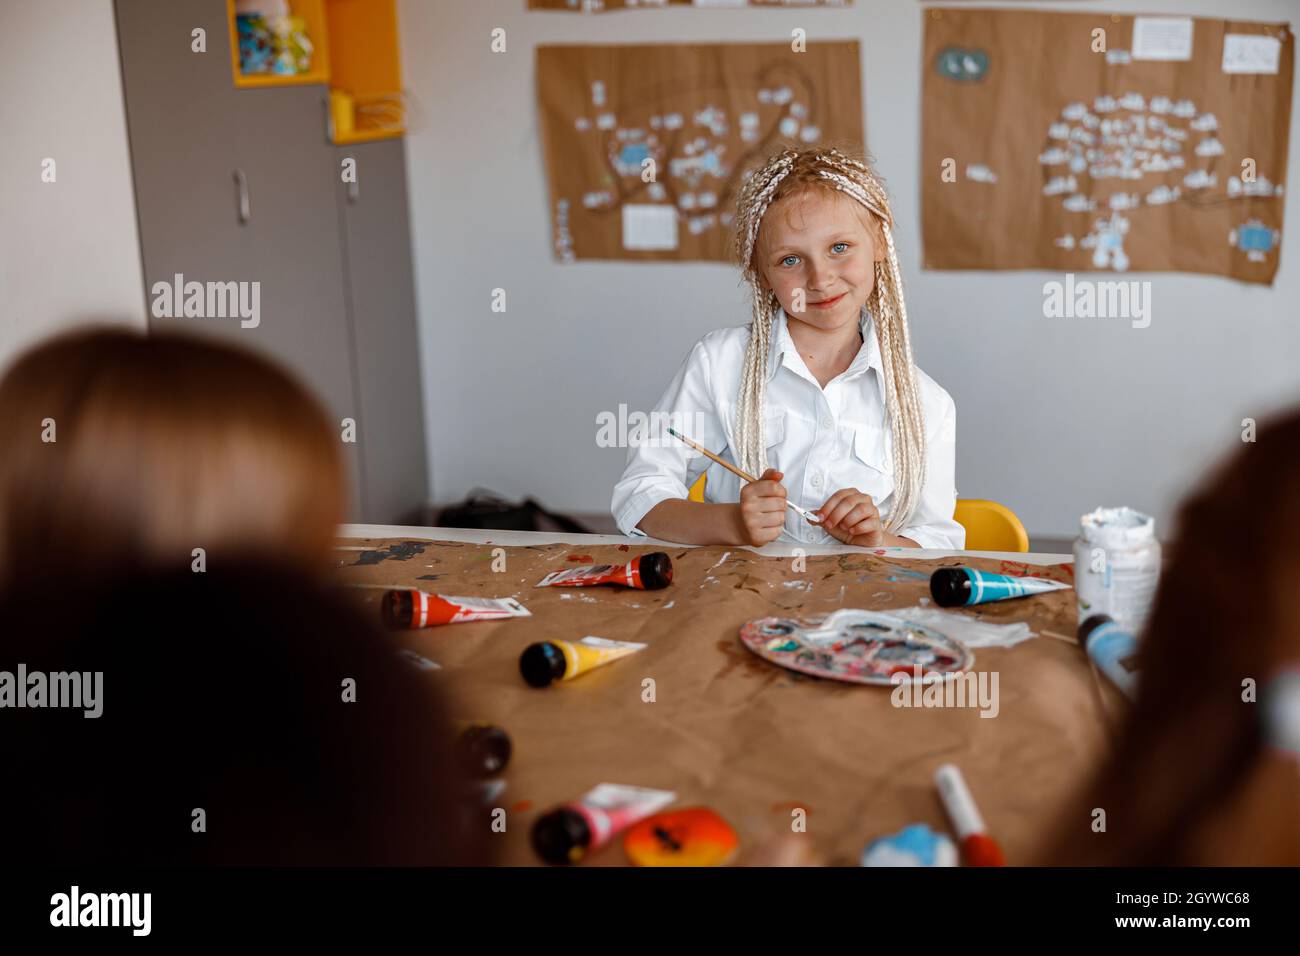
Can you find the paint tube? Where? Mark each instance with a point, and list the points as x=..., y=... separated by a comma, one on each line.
x=649, y=572
x=549, y=661
x=1116, y=566
x=569, y=833
x=1113, y=649
x=915, y=845
x=483, y=749
x=957, y=587
x=408, y=607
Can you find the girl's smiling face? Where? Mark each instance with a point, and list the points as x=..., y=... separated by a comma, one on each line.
x=819, y=242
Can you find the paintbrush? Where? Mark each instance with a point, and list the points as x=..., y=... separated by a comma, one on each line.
x=807, y=515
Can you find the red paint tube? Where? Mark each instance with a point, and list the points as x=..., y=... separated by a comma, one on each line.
x=407, y=608
x=649, y=572
x=569, y=833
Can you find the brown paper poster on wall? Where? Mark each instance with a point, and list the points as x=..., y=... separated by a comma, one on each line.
x=600, y=6
x=647, y=146
x=1089, y=141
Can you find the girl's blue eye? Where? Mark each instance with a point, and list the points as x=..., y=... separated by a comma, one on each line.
x=844, y=244
x=786, y=260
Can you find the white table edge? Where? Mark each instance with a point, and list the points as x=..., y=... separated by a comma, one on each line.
x=775, y=549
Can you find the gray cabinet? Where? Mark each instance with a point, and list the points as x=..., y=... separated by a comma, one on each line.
x=244, y=186
x=381, y=300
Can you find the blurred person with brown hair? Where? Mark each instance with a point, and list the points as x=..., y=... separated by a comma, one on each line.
x=244, y=716
x=120, y=449
x=1206, y=768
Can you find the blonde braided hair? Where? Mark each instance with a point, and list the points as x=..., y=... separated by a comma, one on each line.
x=790, y=173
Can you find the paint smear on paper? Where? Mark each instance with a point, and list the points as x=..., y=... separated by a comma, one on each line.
x=403, y=551
x=908, y=573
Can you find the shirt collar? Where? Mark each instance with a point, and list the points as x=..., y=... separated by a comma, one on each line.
x=783, y=349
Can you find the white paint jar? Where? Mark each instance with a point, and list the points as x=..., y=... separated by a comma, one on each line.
x=1117, y=566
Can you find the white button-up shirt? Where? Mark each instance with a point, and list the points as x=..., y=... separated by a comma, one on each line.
x=823, y=439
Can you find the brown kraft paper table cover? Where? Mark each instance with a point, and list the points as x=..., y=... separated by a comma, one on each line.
x=729, y=730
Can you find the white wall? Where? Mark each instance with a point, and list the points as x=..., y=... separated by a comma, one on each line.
x=1054, y=416
x=69, y=251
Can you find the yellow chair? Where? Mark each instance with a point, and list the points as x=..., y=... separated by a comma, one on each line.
x=697, y=490
x=990, y=526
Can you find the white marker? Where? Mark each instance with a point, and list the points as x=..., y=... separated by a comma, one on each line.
x=978, y=848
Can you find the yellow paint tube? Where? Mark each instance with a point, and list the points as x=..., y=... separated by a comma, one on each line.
x=547, y=661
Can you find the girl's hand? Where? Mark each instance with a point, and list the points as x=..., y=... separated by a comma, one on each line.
x=762, y=508
x=850, y=516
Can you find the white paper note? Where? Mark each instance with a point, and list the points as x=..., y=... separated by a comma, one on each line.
x=1251, y=53
x=649, y=227
x=1162, y=38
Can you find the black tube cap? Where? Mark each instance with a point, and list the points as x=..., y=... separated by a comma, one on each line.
x=656, y=570
x=1091, y=624
x=950, y=587
x=561, y=836
x=484, y=750
x=541, y=664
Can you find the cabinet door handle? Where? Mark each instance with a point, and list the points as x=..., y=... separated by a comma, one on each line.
x=354, y=192
x=241, y=184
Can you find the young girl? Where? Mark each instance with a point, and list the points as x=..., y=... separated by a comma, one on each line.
x=818, y=397
x=1206, y=769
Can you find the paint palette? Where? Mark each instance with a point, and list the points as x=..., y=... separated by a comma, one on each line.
x=858, y=646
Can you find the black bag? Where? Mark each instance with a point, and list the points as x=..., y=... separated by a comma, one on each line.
x=486, y=509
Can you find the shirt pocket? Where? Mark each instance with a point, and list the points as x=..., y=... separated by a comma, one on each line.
x=773, y=431
x=872, y=463
x=778, y=455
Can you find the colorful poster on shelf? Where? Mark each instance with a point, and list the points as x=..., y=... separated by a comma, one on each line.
x=602, y=6
x=1104, y=142
x=647, y=146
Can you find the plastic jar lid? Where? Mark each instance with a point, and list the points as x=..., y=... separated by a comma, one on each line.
x=1118, y=527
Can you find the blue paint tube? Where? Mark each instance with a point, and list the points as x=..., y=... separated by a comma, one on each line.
x=957, y=587
x=916, y=845
x=1113, y=649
